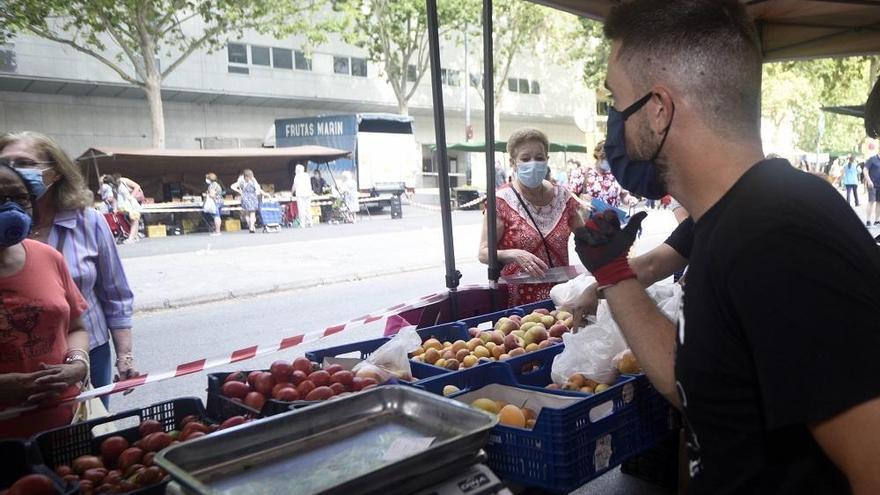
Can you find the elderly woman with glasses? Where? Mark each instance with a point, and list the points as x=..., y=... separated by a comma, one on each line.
x=43, y=343
x=66, y=220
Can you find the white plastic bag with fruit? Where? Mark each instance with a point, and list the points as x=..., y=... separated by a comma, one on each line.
x=591, y=351
x=568, y=295
x=392, y=359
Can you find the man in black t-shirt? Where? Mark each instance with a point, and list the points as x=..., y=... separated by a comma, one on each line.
x=774, y=360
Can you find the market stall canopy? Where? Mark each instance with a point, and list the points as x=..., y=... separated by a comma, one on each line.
x=153, y=167
x=501, y=146
x=789, y=29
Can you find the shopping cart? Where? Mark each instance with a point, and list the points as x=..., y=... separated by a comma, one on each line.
x=270, y=215
x=119, y=226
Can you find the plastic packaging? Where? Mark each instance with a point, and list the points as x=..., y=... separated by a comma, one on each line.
x=591, y=351
x=392, y=359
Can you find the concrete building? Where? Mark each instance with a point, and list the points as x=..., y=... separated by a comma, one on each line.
x=231, y=97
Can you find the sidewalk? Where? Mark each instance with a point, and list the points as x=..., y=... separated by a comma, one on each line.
x=195, y=269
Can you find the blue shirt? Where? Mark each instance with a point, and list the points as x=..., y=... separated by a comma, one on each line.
x=90, y=252
x=850, y=174
x=872, y=168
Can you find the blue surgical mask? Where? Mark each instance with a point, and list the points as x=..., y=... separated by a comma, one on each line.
x=15, y=224
x=34, y=179
x=640, y=177
x=531, y=174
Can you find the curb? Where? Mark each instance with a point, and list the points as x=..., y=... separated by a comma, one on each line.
x=220, y=296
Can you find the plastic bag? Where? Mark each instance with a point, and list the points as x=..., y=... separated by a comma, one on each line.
x=591, y=351
x=668, y=298
x=392, y=359
x=569, y=293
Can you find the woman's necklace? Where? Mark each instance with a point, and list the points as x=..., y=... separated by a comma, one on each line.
x=534, y=202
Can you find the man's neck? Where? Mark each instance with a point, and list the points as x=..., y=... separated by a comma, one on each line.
x=708, y=168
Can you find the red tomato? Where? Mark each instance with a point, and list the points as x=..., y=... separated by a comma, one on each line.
x=154, y=442
x=334, y=368
x=344, y=377
x=287, y=395
x=255, y=400
x=298, y=376
x=112, y=447
x=238, y=376
x=279, y=386
x=337, y=388
x=148, y=426
x=233, y=421
x=235, y=389
x=33, y=484
x=129, y=457
x=305, y=387
x=302, y=364
x=264, y=383
x=320, y=378
x=253, y=376
x=281, y=371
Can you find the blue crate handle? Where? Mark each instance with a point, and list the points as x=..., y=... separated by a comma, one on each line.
x=529, y=308
x=493, y=317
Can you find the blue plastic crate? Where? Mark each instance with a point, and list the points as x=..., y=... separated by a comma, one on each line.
x=533, y=368
x=567, y=447
x=364, y=348
x=528, y=308
x=492, y=318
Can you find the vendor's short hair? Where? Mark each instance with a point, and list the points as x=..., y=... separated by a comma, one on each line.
x=211, y=176
x=706, y=49
x=524, y=135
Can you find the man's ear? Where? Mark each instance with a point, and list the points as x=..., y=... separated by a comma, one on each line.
x=660, y=108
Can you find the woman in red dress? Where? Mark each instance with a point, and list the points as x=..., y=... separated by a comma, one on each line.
x=535, y=218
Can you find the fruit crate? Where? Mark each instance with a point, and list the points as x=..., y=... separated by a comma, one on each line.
x=63, y=445
x=568, y=446
x=528, y=308
x=491, y=318
x=447, y=332
x=658, y=418
x=21, y=459
x=365, y=348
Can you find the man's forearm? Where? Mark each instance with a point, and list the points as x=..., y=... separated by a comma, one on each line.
x=650, y=335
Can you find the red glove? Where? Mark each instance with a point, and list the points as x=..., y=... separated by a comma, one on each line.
x=602, y=246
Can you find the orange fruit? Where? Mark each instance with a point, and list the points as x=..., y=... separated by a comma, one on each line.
x=511, y=415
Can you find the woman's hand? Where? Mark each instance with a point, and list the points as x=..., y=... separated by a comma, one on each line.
x=530, y=263
x=125, y=369
x=17, y=388
x=59, y=377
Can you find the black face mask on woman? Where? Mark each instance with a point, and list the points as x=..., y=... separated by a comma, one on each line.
x=640, y=177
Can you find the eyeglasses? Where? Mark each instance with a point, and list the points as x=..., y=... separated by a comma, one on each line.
x=23, y=199
x=24, y=163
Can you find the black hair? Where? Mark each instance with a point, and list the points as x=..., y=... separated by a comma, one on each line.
x=27, y=186
x=707, y=49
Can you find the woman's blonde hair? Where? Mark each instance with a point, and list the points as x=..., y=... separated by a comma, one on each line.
x=524, y=135
x=599, y=151
x=69, y=192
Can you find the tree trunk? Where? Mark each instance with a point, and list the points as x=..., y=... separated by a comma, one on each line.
x=153, y=91
x=403, y=107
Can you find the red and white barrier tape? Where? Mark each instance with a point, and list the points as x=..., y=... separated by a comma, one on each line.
x=251, y=352
x=424, y=206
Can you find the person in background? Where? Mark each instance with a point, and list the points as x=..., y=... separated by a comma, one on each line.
x=600, y=183
x=872, y=182
x=575, y=177
x=128, y=204
x=107, y=193
x=44, y=354
x=500, y=174
x=302, y=189
x=349, y=193
x=136, y=191
x=215, y=193
x=319, y=185
x=535, y=218
x=250, y=191
x=851, y=179
x=66, y=221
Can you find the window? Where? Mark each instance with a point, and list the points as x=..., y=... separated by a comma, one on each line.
x=8, y=62
x=412, y=73
x=476, y=80
x=536, y=88
x=237, y=53
x=359, y=67
x=302, y=62
x=260, y=55
x=513, y=84
x=340, y=65
x=450, y=77
x=236, y=69
x=524, y=86
x=282, y=58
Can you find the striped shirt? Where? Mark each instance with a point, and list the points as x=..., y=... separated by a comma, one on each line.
x=90, y=252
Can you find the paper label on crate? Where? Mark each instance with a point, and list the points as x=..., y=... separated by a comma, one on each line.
x=602, y=455
x=407, y=446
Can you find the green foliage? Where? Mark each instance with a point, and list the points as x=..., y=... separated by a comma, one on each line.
x=581, y=42
x=798, y=90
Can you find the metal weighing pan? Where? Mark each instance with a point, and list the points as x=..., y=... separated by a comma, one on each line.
x=336, y=447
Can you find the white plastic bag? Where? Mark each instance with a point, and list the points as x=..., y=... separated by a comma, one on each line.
x=668, y=298
x=568, y=294
x=392, y=359
x=591, y=351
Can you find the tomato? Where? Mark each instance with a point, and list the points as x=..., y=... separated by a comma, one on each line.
x=302, y=364
x=298, y=376
x=33, y=484
x=252, y=376
x=279, y=386
x=112, y=447
x=320, y=393
x=193, y=427
x=238, y=376
x=287, y=394
x=264, y=383
x=320, y=378
x=235, y=390
x=149, y=426
x=188, y=419
x=334, y=368
x=63, y=470
x=233, y=421
x=85, y=462
x=95, y=475
x=337, y=388
x=148, y=459
x=155, y=442
x=305, y=387
x=255, y=400
x=129, y=457
x=281, y=370
x=346, y=378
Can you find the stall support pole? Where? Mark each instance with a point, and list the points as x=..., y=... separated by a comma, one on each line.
x=489, y=124
x=452, y=275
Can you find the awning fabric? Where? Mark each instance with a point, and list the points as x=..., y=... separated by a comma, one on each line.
x=789, y=29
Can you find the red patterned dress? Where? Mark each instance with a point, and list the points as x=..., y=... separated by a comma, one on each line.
x=520, y=233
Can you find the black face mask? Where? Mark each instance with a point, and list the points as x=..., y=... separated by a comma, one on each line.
x=640, y=177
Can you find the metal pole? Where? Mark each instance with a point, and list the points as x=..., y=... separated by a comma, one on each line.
x=452, y=275
x=489, y=118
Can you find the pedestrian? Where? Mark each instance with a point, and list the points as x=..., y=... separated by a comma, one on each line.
x=600, y=182
x=107, y=193
x=213, y=206
x=302, y=189
x=872, y=182
x=851, y=179
x=576, y=178
x=500, y=174
x=66, y=221
x=535, y=219
x=128, y=204
x=137, y=191
x=319, y=185
x=251, y=193
x=779, y=326
x=44, y=352
x=348, y=190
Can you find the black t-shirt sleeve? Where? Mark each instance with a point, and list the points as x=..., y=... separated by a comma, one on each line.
x=810, y=316
x=682, y=238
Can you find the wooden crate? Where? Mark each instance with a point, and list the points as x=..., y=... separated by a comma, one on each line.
x=156, y=230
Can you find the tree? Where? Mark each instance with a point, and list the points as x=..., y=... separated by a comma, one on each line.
x=395, y=35
x=128, y=36
x=798, y=90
